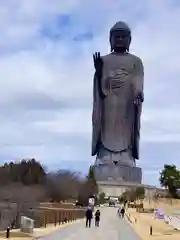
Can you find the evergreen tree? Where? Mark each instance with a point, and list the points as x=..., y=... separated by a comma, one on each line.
x=170, y=179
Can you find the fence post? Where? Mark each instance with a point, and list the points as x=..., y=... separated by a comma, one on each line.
x=55, y=218
x=59, y=218
x=45, y=220
x=150, y=230
x=8, y=232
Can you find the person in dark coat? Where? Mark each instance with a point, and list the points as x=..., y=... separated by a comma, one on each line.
x=122, y=212
x=89, y=216
x=97, y=218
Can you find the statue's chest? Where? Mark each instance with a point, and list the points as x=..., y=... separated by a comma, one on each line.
x=117, y=77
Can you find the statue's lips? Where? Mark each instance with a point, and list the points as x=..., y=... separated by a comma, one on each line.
x=119, y=43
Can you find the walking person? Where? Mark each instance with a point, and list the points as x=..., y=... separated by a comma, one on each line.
x=119, y=211
x=89, y=216
x=97, y=218
x=125, y=203
x=122, y=212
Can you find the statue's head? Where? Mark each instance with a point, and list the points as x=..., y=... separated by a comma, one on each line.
x=120, y=37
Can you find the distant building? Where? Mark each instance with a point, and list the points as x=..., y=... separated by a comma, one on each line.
x=117, y=188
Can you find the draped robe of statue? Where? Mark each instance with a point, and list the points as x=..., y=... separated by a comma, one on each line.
x=115, y=118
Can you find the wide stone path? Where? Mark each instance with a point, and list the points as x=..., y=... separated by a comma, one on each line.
x=111, y=227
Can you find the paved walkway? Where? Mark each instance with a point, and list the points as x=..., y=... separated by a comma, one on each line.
x=111, y=227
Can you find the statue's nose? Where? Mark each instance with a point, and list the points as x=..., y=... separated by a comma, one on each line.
x=120, y=37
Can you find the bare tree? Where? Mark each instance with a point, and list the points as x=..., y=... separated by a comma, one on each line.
x=17, y=200
x=62, y=185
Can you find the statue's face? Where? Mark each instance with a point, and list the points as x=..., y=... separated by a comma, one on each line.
x=120, y=40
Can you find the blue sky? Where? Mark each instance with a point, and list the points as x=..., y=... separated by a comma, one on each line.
x=46, y=78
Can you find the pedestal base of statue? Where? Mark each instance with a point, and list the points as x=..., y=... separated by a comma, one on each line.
x=106, y=172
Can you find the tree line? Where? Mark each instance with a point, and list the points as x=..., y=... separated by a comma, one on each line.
x=27, y=172
x=56, y=185
x=65, y=184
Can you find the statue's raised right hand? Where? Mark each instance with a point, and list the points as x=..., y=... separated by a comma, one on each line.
x=98, y=64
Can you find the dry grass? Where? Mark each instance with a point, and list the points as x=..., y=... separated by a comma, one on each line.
x=167, y=205
x=17, y=234
x=141, y=222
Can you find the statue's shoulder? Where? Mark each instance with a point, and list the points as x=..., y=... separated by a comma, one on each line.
x=107, y=56
x=137, y=60
x=132, y=58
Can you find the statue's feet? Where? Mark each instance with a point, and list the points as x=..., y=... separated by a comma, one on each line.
x=107, y=157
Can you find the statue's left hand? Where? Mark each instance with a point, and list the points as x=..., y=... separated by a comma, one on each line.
x=139, y=99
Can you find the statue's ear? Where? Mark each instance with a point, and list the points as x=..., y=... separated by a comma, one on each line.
x=111, y=45
x=130, y=40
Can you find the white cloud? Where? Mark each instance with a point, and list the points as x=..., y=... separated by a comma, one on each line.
x=46, y=84
x=75, y=121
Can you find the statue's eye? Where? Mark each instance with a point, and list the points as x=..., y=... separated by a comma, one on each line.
x=121, y=34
